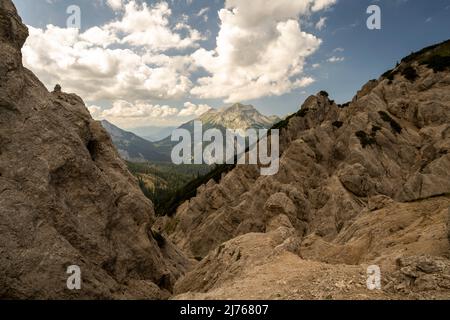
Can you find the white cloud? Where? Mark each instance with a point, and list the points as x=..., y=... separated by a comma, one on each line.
x=203, y=13
x=123, y=109
x=191, y=109
x=335, y=59
x=99, y=37
x=144, y=55
x=321, y=23
x=87, y=64
x=149, y=27
x=260, y=50
x=142, y=113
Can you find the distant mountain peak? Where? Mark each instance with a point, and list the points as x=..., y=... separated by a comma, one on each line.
x=238, y=117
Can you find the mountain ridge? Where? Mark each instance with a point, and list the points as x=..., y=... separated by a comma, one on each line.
x=238, y=117
x=133, y=148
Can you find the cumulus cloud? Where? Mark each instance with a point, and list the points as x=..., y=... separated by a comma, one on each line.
x=335, y=59
x=88, y=64
x=149, y=26
x=191, y=109
x=115, y=4
x=124, y=109
x=143, y=54
x=60, y=55
x=260, y=50
x=143, y=113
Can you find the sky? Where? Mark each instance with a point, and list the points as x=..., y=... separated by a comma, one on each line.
x=144, y=63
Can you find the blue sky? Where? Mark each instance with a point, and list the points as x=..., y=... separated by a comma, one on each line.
x=270, y=55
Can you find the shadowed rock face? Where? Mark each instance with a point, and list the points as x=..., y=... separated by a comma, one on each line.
x=408, y=247
x=66, y=198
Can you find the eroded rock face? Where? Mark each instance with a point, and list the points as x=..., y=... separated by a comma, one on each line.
x=359, y=184
x=408, y=242
x=391, y=142
x=66, y=198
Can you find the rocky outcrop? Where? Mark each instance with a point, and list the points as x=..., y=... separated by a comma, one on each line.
x=366, y=182
x=66, y=197
x=407, y=242
x=392, y=141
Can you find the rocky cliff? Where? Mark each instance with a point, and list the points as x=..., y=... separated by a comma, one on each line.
x=66, y=198
x=367, y=182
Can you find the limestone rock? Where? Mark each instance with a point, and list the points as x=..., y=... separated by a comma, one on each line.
x=422, y=274
x=268, y=266
x=392, y=142
x=448, y=224
x=280, y=203
x=379, y=202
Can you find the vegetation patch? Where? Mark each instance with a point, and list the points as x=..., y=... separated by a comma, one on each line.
x=389, y=75
x=410, y=73
x=442, y=49
x=338, y=124
x=283, y=123
x=394, y=124
x=436, y=57
x=162, y=182
x=365, y=139
x=302, y=113
x=324, y=93
x=168, y=203
x=438, y=63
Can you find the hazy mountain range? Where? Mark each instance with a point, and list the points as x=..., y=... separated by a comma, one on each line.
x=358, y=210
x=132, y=147
x=135, y=148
